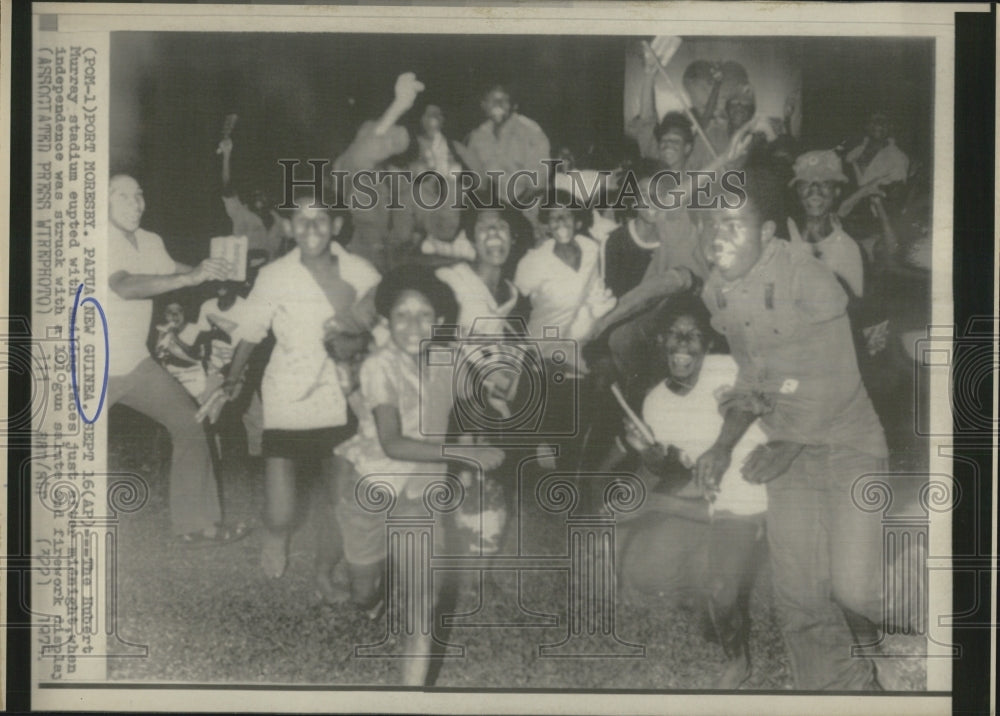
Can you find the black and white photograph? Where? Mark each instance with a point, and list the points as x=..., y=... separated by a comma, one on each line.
x=471, y=359
x=305, y=393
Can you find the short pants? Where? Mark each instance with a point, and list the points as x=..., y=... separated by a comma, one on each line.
x=317, y=443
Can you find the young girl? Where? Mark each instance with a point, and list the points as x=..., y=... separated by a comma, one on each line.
x=305, y=410
x=394, y=434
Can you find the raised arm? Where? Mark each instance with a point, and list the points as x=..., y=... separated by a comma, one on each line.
x=407, y=88
x=226, y=150
x=641, y=126
x=705, y=116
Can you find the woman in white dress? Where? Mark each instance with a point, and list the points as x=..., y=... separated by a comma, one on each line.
x=305, y=410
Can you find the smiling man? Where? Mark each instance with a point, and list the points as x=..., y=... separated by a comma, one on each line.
x=784, y=316
x=140, y=268
x=818, y=182
x=683, y=544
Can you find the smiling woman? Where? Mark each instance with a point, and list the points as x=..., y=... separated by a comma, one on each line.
x=305, y=409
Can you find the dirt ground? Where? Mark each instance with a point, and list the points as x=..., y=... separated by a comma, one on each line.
x=208, y=615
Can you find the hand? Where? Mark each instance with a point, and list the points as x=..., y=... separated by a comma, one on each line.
x=407, y=88
x=711, y=466
x=602, y=302
x=794, y=235
x=225, y=147
x=232, y=388
x=217, y=269
x=872, y=188
x=649, y=60
x=665, y=47
x=770, y=461
x=490, y=458
x=635, y=438
x=739, y=145
x=677, y=279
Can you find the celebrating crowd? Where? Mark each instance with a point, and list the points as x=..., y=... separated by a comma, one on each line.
x=730, y=356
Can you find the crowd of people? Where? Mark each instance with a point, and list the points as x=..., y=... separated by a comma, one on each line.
x=748, y=341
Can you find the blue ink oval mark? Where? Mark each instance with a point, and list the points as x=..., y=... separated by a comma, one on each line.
x=72, y=355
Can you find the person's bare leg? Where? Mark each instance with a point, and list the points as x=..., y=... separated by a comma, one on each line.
x=329, y=544
x=279, y=510
x=416, y=666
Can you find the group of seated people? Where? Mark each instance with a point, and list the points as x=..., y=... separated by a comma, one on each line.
x=738, y=337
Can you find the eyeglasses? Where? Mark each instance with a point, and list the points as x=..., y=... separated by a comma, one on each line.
x=679, y=335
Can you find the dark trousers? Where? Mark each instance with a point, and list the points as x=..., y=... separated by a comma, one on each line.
x=826, y=561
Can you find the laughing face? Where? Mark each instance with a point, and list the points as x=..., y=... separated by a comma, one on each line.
x=685, y=346
x=560, y=224
x=492, y=238
x=313, y=230
x=817, y=197
x=734, y=239
x=411, y=321
x=674, y=149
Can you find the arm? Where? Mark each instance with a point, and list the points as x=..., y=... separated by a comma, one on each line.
x=656, y=284
x=234, y=380
x=226, y=149
x=642, y=125
x=647, y=95
x=706, y=115
x=870, y=189
x=133, y=285
x=395, y=444
x=407, y=88
x=711, y=466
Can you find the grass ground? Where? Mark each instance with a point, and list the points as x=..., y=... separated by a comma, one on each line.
x=208, y=615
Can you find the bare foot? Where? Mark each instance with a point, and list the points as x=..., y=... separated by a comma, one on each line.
x=273, y=555
x=734, y=674
x=333, y=585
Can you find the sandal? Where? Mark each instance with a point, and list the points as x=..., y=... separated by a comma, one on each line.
x=223, y=534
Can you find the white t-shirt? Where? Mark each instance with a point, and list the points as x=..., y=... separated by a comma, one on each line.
x=692, y=422
x=558, y=293
x=129, y=319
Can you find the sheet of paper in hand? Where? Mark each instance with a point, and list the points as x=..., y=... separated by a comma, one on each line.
x=234, y=250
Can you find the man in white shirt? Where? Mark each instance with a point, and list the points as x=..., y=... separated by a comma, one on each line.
x=682, y=544
x=139, y=269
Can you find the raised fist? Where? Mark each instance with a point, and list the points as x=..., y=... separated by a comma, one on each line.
x=407, y=89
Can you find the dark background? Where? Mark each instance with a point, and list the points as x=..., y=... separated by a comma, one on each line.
x=304, y=95
x=974, y=255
